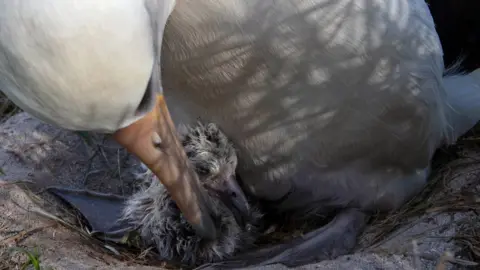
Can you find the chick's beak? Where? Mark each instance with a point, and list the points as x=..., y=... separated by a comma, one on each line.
x=233, y=197
x=154, y=141
x=237, y=196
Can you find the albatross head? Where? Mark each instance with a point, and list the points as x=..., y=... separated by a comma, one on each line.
x=87, y=65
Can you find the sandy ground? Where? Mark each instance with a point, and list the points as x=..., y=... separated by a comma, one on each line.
x=44, y=155
x=33, y=151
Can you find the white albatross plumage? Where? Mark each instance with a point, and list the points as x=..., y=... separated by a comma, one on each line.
x=334, y=106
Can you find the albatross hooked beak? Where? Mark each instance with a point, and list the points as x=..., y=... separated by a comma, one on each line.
x=154, y=141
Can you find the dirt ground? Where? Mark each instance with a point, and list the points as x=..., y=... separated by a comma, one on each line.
x=35, y=155
x=34, y=152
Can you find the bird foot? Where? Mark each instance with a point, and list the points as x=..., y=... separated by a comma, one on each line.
x=101, y=211
x=337, y=238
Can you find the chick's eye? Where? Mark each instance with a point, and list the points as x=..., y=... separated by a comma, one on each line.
x=203, y=170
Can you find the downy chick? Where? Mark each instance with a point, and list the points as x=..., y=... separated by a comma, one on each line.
x=160, y=223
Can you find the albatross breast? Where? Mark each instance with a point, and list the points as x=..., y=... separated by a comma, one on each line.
x=329, y=101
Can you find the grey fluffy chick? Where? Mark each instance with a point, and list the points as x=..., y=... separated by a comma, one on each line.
x=155, y=216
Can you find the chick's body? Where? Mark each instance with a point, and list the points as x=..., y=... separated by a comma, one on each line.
x=153, y=213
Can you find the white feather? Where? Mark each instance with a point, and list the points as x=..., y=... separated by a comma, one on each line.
x=463, y=100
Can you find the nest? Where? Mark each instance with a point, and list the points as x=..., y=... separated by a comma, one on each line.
x=440, y=196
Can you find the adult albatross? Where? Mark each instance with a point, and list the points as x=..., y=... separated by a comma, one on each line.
x=334, y=106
